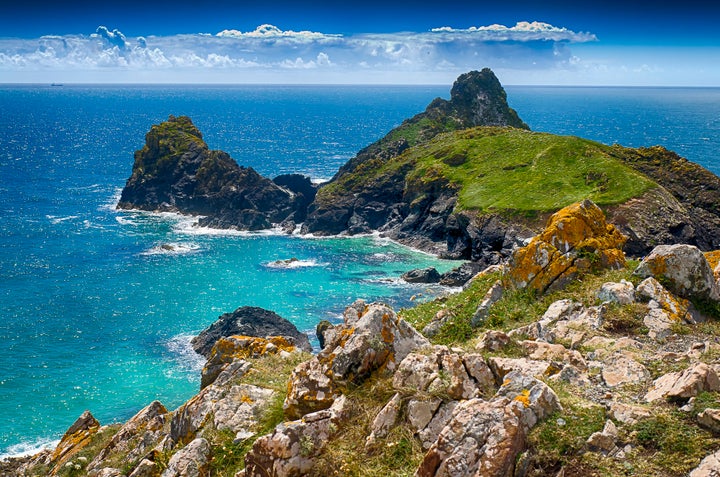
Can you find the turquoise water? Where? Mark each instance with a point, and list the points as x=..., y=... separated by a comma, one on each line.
x=95, y=314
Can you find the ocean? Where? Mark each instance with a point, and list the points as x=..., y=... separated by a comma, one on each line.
x=96, y=314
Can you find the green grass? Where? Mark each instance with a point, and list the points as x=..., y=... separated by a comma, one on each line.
x=530, y=165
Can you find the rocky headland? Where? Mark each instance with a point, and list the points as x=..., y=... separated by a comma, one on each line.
x=564, y=354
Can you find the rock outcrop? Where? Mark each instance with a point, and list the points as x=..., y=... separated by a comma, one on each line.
x=176, y=172
x=249, y=321
x=575, y=240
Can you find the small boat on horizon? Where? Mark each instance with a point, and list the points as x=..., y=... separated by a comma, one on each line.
x=56, y=84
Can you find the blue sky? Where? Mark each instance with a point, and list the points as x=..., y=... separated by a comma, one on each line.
x=551, y=42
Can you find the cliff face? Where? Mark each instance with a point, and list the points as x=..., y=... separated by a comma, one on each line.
x=176, y=172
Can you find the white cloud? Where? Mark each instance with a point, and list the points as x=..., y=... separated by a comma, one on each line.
x=416, y=55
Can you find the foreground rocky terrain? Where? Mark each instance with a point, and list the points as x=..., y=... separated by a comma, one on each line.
x=568, y=360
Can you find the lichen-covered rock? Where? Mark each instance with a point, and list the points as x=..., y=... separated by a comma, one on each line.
x=664, y=309
x=438, y=372
x=481, y=439
x=604, y=441
x=537, y=398
x=136, y=437
x=493, y=295
x=192, y=416
x=622, y=293
x=683, y=269
x=627, y=413
x=74, y=440
x=289, y=450
x=493, y=340
x=385, y=420
x=372, y=338
x=226, y=350
x=684, y=384
x=190, y=461
x=249, y=321
x=575, y=240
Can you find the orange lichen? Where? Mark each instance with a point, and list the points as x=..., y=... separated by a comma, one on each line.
x=524, y=397
x=713, y=259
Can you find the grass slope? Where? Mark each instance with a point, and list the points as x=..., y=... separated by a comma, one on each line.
x=506, y=170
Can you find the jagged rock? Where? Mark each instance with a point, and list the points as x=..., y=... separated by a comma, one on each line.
x=493, y=340
x=320, y=329
x=386, y=418
x=420, y=413
x=502, y=366
x=74, y=440
x=422, y=275
x=493, y=295
x=289, y=450
x=604, y=347
x=622, y=293
x=146, y=468
x=136, y=437
x=628, y=414
x=438, y=372
x=208, y=404
x=604, y=441
x=576, y=239
x=241, y=408
x=684, y=384
x=429, y=434
x=537, y=398
x=372, y=338
x=710, y=419
x=683, y=269
x=478, y=369
x=481, y=439
x=709, y=466
x=664, y=309
x=620, y=368
x=539, y=350
x=249, y=321
x=572, y=375
x=226, y=350
x=461, y=275
x=190, y=461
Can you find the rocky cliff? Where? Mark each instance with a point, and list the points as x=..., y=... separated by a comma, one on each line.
x=570, y=360
x=176, y=172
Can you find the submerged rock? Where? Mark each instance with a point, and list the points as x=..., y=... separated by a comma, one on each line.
x=422, y=275
x=249, y=321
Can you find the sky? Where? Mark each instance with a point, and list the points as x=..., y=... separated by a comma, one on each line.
x=351, y=42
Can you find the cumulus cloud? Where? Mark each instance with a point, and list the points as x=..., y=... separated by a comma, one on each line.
x=527, y=45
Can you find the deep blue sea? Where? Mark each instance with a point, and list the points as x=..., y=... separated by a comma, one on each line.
x=94, y=314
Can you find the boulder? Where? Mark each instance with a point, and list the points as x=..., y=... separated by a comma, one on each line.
x=685, y=384
x=620, y=368
x=461, y=275
x=530, y=367
x=320, y=329
x=422, y=275
x=604, y=441
x=537, y=398
x=440, y=372
x=249, y=321
x=482, y=439
x=441, y=317
x=290, y=449
x=372, y=338
x=386, y=419
x=622, y=293
x=576, y=239
x=493, y=340
x=493, y=295
x=192, y=460
x=683, y=270
x=710, y=419
x=627, y=413
x=539, y=350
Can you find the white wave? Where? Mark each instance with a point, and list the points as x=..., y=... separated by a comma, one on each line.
x=54, y=219
x=25, y=449
x=125, y=221
x=319, y=180
x=186, y=360
x=112, y=201
x=293, y=263
x=190, y=227
x=173, y=248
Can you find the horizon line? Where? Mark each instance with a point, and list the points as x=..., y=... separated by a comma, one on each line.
x=62, y=84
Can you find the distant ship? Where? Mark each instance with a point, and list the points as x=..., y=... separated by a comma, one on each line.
x=56, y=84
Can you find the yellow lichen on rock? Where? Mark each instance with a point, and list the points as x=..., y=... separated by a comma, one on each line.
x=576, y=239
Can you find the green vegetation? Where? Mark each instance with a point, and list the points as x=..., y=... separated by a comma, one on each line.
x=502, y=170
x=530, y=165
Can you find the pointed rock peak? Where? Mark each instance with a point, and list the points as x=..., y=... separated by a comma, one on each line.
x=178, y=124
x=478, y=99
